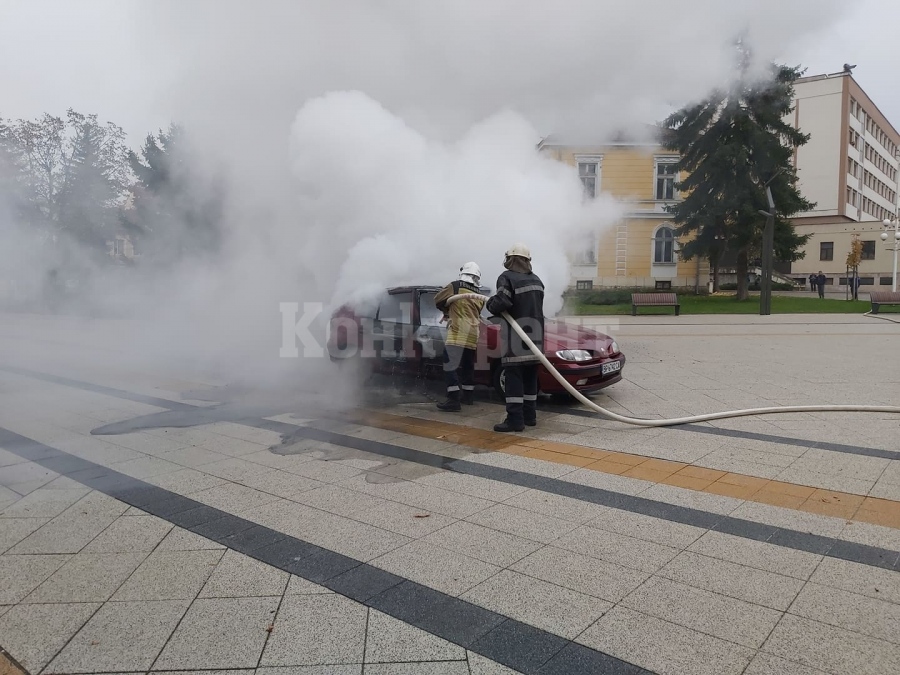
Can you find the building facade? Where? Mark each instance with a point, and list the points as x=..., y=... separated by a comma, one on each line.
x=830, y=244
x=641, y=250
x=851, y=169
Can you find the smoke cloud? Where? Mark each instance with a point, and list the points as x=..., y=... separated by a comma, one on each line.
x=370, y=143
x=411, y=210
x=582, y=65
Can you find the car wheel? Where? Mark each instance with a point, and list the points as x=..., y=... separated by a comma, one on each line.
x=499, y=380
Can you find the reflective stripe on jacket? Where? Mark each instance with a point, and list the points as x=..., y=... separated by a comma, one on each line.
x=522, y=295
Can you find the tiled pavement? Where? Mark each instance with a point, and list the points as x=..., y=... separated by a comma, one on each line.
x=407, y=541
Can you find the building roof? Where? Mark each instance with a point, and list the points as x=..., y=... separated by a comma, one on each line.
x=823, y=76
x=644, y=134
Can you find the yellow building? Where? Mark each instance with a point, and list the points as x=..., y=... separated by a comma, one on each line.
x=641, y=250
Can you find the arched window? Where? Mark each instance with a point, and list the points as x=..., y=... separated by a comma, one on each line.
x=664, y=245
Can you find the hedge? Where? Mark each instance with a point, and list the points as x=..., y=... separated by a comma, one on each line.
x=620, y=296
x=755, y=287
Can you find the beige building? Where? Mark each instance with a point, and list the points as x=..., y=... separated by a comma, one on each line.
x=641, y=250
x=830, y=244
x=850, y=167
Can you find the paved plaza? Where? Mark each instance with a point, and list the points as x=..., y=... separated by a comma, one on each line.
x=157, y=521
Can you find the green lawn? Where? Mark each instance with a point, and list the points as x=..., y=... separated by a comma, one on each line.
x=727, y=304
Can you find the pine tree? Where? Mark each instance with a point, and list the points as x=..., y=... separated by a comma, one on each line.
x=731, y=145
x=176, y=211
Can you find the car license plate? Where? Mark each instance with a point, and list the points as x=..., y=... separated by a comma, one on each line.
x=611, y=367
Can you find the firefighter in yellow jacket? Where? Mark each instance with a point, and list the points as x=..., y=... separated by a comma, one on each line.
x=464, y=319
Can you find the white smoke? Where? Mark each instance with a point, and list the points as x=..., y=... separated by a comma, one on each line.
x=379, y=142
x=376, y=205
x=589, y=66
x=409, y=210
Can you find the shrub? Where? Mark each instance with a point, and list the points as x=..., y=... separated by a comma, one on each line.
x=755, y=287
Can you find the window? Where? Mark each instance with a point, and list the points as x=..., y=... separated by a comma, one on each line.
x=665, y=179
x=868, y=250
x=589, y=173
x=584, y=285
x=587, y=254
x=429, y=315
x=826, y=250
x=396, y=307
x=664, y=246
x=886, y=281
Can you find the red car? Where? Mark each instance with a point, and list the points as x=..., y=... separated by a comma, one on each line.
x=404, y=333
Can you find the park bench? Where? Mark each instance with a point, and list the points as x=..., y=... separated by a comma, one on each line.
x=654, y=300
x=880, y=298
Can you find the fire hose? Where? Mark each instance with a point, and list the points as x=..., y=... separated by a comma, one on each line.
x=637, y=421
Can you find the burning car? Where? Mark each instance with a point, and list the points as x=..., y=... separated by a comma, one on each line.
x=403, y=333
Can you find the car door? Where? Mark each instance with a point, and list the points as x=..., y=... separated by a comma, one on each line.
x=431, y=331
x=392, y=333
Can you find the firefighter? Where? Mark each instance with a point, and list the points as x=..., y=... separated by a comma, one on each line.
x=464, y=320
x=520, y=292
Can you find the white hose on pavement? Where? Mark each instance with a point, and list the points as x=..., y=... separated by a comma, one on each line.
x=678, y=420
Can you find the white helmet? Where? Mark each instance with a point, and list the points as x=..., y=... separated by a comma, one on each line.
x=470, y=272
x=520, y=250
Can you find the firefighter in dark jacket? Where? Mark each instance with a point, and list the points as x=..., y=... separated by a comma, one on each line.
x=520, y=292
x=463, y=324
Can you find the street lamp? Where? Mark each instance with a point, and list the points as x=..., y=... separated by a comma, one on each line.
x=888, y=226
x=768, y=249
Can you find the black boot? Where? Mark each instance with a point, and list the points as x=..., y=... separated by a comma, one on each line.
x=468, y=397
x=507, y=426
x=530, y=415
x=450, y=405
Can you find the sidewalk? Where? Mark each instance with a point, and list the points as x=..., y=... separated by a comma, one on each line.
x=145, y=529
